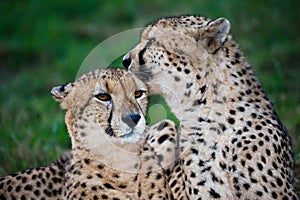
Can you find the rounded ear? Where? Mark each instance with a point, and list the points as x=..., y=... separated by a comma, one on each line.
x=214, y=34
x=59, y=93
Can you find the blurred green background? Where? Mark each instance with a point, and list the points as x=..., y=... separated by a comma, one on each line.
x=43, y=43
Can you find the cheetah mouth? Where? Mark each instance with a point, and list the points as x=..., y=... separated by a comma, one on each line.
x=123, y=134
x=127, y=134
x=130, y=136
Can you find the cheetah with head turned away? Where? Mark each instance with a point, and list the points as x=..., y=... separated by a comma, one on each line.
x=111, y=157
x=232, y=143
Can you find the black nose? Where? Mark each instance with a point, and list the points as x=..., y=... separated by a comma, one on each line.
x=126, y=62
x=131, y=120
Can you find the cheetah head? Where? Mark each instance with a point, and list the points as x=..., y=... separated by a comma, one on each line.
x=177, y=52
x=104, y=107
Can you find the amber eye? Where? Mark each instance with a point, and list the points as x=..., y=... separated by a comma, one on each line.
x=103, y=97
x=138, y=93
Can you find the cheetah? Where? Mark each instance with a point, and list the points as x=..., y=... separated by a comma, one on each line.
x=232, y=143
x=112, y=155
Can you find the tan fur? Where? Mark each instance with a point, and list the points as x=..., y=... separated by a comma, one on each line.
x=233, y=146
x=112, y=157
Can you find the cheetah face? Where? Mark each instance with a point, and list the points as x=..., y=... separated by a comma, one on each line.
x=171, y=48
x=104, y=106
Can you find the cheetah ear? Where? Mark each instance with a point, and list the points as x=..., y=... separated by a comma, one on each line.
x=59, y=93
x=214, y=34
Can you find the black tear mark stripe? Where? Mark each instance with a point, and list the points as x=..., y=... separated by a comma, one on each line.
x=141, y=53
x=141, y=59
x=109, y=131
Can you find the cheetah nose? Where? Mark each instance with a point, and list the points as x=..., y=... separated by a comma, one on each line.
x=126, y=62
x=131, y=120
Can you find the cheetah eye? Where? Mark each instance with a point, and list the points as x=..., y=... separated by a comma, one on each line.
x=103, y=97
x=139, y=93
x=126, y=62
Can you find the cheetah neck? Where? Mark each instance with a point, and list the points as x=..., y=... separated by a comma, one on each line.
x=205, y=97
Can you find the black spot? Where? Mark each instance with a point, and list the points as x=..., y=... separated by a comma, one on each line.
x=234, y=158
x=242, y=109
x=264, y=178
x=199, y=102
x=194, y=151
x=248, y=156
x=36, y=193
x=260, y=143
x=239, y=144
x=232, y=112
x=250, y=170
x=260, y=166
x=24, y=180
x=274, y=165
x=258, y=127
x=274, y=195
x=187, y=71
x=267, y=138
x=100, y=166
x=253, y=115
x=162, y=126
x=173, y=183
x=270, y=173
x=9, y=189
x=87, y=161
x=201, y=183
x=108, y=186
x=233, y=140
x=243, y=163
x=279, y=182
x=158, y=177
x=254, y=148
x=189, y=162
x=201, y=163
x=28, y=187
x=95, y=197
x=259, y=193
x=231, y=120
x=253, y=180
x=223, y=166
x=246, y=186
x=18, y=188
x=202, y=89
x=193, y=175
x=176, y=78
x=94, y=188
x=83, y=194
x=206, y=169
x=214, y=194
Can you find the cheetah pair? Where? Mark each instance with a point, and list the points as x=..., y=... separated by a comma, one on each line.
x=231, y=143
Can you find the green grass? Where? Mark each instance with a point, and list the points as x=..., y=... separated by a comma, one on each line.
x=43, y=45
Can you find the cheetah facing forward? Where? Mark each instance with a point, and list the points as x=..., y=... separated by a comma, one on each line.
x=111, y=157
x=233, y=145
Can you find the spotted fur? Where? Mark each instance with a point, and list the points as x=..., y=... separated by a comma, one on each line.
x=112, y=157
x=232, y=143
